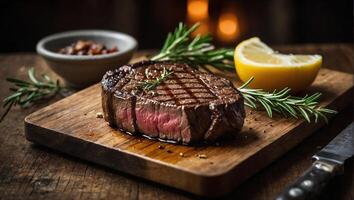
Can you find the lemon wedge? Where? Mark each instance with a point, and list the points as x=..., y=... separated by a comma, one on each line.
x=272, y=70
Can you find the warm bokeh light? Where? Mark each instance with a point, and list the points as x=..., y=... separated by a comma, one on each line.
x=197, y=10
x=228, y=27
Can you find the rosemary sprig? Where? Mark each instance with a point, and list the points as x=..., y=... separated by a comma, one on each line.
x=152, y=84
x=179, y=46
x=25, y=93
x=283, y=103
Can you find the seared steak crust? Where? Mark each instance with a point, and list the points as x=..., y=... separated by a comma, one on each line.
x=188, y=106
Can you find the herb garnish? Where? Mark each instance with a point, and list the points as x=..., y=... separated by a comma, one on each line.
x=179, y=46
x=152, y=84
x=283, y=103
x=26, y=92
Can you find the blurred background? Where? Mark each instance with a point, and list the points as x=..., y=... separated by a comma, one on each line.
x=24, y=22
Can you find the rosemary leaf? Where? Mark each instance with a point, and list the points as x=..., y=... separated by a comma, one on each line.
x=152, y=84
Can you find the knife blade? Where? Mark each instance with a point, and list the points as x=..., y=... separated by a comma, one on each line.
x=329, y=162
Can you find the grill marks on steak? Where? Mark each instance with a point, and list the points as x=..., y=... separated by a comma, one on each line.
x=186, y=107
x=184, y=88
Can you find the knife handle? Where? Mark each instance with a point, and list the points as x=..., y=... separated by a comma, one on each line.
x=311, y=183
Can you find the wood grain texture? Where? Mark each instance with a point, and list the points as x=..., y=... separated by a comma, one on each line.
x=30, y=171
x=71, y=126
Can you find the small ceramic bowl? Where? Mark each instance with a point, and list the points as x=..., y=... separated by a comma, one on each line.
x=84, y=70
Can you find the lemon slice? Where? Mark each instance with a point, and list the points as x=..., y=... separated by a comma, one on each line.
x=272, y=70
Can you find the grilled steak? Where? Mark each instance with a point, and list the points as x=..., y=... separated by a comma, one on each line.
x=188, y=106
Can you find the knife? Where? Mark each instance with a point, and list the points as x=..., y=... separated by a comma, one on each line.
x=329, y=162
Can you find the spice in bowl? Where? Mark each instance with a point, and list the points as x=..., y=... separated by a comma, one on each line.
x=87, y=47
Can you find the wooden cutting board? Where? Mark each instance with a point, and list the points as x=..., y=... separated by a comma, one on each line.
x=71, y=126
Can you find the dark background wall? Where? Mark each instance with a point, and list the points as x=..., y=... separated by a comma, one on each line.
x=24, y=22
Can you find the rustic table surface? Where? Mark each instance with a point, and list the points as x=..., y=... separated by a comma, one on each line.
x=29, y=171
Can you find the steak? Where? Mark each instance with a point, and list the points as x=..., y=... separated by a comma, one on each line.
x=188, y=106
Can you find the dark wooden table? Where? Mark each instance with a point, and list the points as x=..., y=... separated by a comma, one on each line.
x=28, y=171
